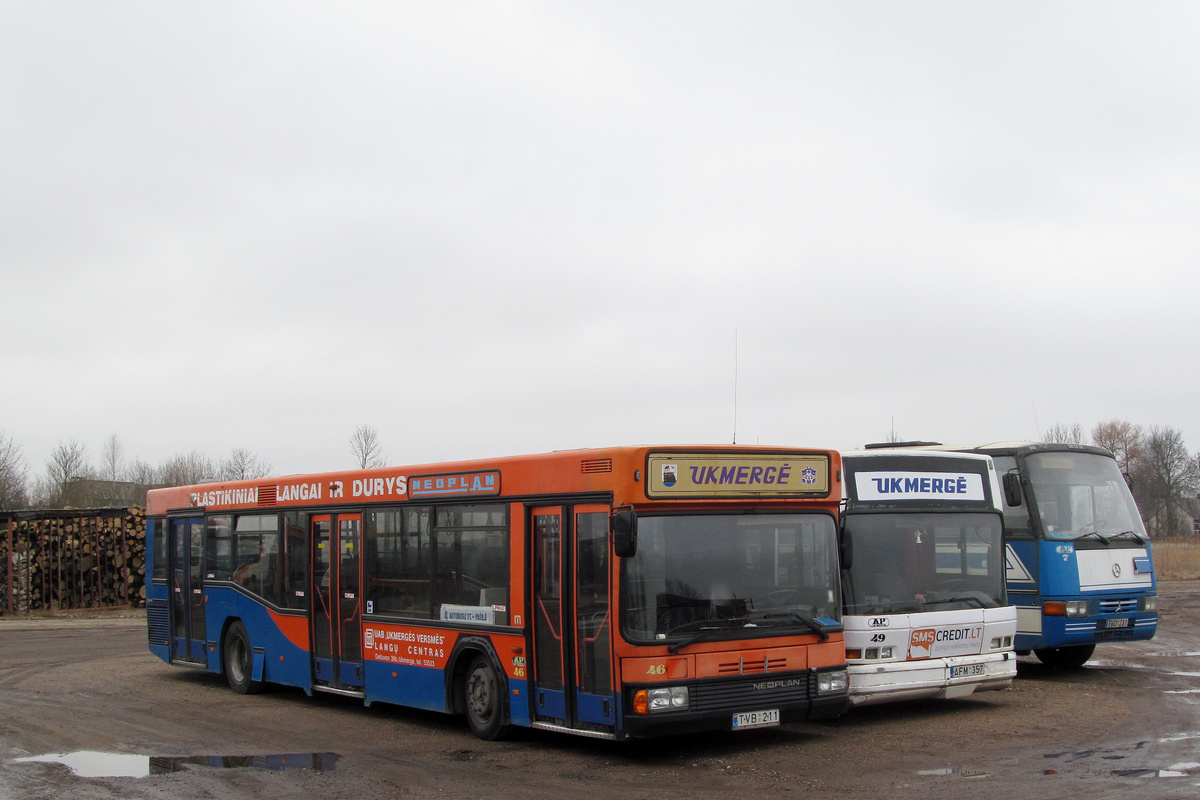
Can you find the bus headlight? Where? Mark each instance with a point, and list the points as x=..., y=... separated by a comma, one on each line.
x=831, y=682
x=1065, y=608
x=667, y=698
x=1077, y=608
x=1148, y=603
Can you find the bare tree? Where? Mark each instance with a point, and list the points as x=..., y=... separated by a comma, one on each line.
x=1122, y=439
x=1062, y=434
x=141, y=473
x=364, y=444
x=14, y=491
x=112, y=457
x=181, y=470
x=1166, y=480
x=68, y=462
x=243, y=465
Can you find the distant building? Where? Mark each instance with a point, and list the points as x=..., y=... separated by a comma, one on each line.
x=89, y=493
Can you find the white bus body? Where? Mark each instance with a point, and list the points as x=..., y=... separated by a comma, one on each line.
x=926, y=613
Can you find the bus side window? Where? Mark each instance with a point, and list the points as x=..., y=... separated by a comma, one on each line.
x=295, y=594
x=256, y=556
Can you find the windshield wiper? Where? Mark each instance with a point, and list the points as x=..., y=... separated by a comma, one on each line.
x=811, y=624
x=1096, y=534
x=706, y=633
x=962, y=599
x=1131, y=534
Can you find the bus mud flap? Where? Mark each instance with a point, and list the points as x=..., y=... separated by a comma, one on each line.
x=260, y=663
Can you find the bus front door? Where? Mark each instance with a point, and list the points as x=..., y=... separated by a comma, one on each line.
x=187, y=590
x=336, y=602
x=572, y=664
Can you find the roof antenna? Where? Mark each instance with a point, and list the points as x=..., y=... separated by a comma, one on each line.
x=735, y=379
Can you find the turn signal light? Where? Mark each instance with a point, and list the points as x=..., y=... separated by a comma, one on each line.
x=1055, y=608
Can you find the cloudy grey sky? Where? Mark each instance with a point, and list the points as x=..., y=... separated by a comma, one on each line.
x=495, y=228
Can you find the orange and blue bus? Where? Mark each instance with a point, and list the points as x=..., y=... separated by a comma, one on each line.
x=614, y=593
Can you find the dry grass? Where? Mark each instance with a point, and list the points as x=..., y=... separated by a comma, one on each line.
x=1176, y=559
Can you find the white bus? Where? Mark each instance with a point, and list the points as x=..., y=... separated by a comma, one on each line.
x=923, y=568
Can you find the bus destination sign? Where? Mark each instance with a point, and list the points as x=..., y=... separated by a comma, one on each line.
x=736, y=475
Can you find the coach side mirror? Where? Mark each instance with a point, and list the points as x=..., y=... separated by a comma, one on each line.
x=1012, y=488
x=623, y=524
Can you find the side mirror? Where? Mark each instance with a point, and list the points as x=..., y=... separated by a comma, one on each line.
x=1012, y=488
x=623, y=525
x=846, y=551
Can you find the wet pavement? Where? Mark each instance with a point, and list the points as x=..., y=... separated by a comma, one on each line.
x=86, y=712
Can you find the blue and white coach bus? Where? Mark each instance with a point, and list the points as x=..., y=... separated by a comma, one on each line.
x=1079, y=565
x=923, y=576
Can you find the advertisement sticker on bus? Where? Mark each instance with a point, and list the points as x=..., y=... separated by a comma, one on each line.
x=736, y=474
x=455, y=484
x=395, y=644
x=941, y=642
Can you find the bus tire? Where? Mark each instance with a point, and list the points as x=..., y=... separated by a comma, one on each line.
x=239, y=660
x=1065, y=657
x=484, y=700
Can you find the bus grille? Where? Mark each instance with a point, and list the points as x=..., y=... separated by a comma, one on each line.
x=267, y=495
x=742, y=667
x=1124, y=606
x=158, y=625
x=780, y=689
x=595, y=465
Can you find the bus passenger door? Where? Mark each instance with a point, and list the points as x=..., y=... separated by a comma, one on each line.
x=572, y=664
x=336, y=601
x=187, y=590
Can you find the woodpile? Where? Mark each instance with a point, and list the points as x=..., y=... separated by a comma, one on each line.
x=72, y=559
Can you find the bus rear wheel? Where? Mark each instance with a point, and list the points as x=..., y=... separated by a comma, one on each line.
x=239, y=660
x=484, y=701
x=1065, y=657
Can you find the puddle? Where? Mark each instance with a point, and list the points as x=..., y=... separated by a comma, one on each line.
x=1108, y=753
x=961, y=771
x=1181, y=770
x=92, y=764
x=1149, y=773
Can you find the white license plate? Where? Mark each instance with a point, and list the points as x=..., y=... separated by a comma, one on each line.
x=756, y=719
x=967, y=670
x=1117, y=623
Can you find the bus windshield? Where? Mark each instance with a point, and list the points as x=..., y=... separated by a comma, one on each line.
x=908, y=563
x=1082, y=496
x=735, y=575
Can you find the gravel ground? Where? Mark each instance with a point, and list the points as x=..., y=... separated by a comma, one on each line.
x=1125, y=726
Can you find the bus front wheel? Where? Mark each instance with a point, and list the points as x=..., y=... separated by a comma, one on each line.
x=1065, y=657
x=485, y=701
x=239, y=660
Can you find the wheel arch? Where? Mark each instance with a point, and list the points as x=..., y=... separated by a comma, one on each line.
x=222, y=641
x=465, y=651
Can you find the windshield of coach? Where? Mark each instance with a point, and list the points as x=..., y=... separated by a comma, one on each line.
x=753, y=572
x=907, y=563
x=1083, y=495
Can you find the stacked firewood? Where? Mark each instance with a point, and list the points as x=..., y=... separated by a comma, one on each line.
x=73, y=559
